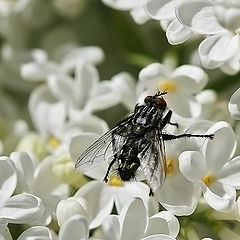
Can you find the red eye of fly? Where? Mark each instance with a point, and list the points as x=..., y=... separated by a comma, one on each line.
x=148, y=99
x=160, y=102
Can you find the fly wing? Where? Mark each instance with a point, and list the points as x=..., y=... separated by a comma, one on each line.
x=153, y=159
x=105, y=147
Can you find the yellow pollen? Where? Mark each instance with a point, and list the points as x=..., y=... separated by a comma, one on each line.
x=167, y=85
x=115, y=181
x=171, y=166
x=53, y=142
x=208, y=179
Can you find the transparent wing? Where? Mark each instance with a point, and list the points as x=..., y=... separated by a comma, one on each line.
x=153, y=159
x=105, y=147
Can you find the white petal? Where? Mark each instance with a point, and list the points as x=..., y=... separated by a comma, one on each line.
x=163, y=223
x=37, y=72
x=75, y=228
x=188, y=108
x=72, y=206
x=46, y=112
x=198, y=16
x=232, y=66
x=6, y=235
x=133, y=211
x=161, y=10
x=230, y=173
x=89, y=54
x=190, y=78
x=111, y=227
x=224, y=140
x=192, y=165
x=177, y=33
x=234, y=105
x=103, y=96
x=139, y=15
x=217, y=49
x=179, y=195
x=61, y=87
x=153, y=72
x=3, y=226
x=126, y=85
x=47, y=186
x=158, y=237
x=123, y=4
x=25, y=166
x=99, y=199
x=87, y=77
x=219, y=196
x=22, y=208
x=130, y=190
x=8, y=179
x=35, y=233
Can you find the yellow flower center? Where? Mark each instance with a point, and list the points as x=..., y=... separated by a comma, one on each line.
x=171, y=166
x=167, y=85
x=115, y=181
x=53, y=142
x=208, y=179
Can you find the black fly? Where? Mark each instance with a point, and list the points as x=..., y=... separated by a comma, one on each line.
x=136, y=143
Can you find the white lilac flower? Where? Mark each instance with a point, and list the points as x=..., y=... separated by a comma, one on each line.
x=53, y=121
x=163, y=225
x=219, y=22
x=178, y=195
x=213, y=169
x=136, y=8
x=102, y=197
x=181, y=85
x=41, y=67
x=164, y=11
x=39, y=179
x=20, y=208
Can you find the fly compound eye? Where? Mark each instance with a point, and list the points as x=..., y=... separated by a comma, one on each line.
x=160, y=102
x=148, y=99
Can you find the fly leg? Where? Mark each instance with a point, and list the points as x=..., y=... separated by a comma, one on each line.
x=166, y=120
x=151, y=194
x=186, y=135
x=105, y=179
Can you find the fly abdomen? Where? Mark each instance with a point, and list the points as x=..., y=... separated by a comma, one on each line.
x=128, y=161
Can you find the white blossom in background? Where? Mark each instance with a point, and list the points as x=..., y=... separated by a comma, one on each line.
x=164, y=11
x=213, y=169
x=42, y=67
x=181, y=85
x=38, y=179
x=19, y=209
x=218, y=21
x=14, y=131
x=162, y=226
x=135, y=7
x=234, y=105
